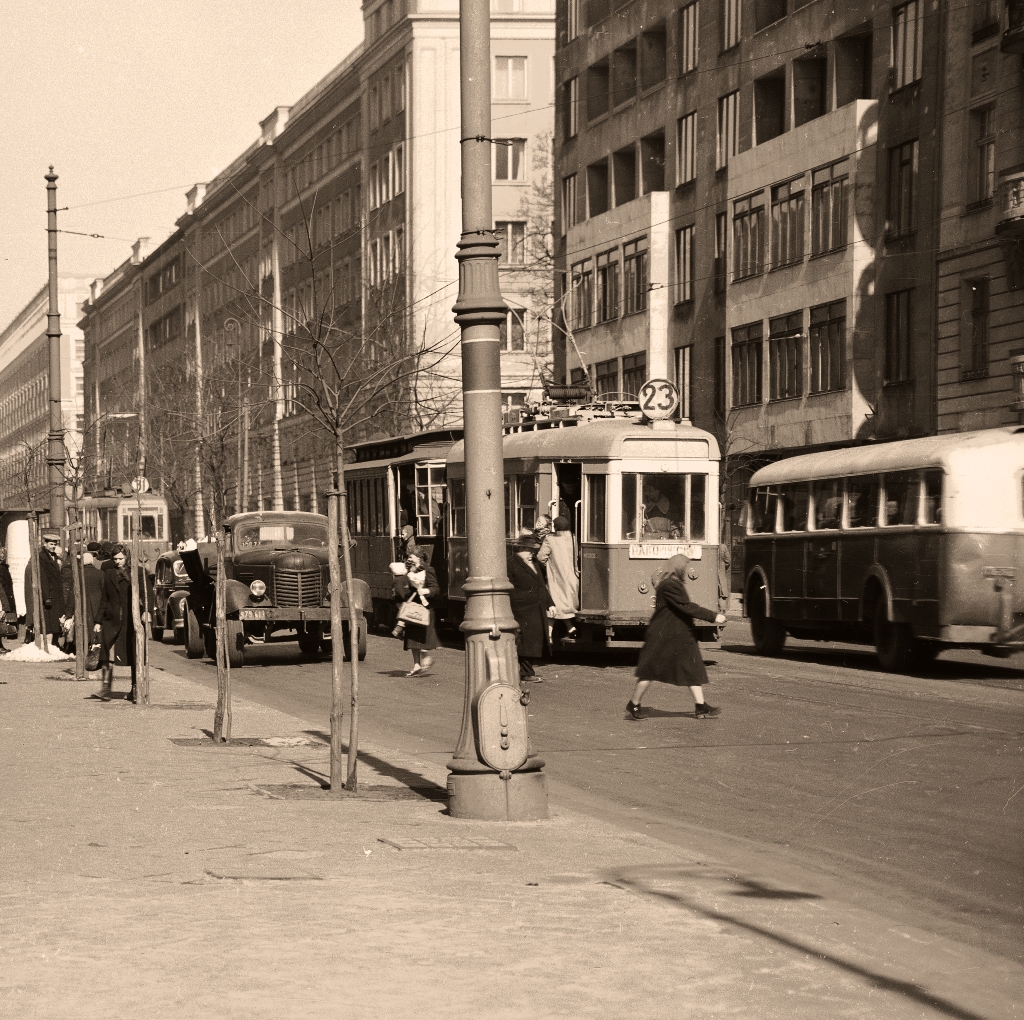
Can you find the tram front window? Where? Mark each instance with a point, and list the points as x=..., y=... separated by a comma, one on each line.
x=664, y=507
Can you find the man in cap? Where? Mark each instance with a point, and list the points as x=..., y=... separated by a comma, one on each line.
x=56, y=593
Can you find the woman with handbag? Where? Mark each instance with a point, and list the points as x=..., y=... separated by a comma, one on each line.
x=115, y=624
x=414, y=589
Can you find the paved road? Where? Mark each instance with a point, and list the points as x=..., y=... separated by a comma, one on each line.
x=903, y=792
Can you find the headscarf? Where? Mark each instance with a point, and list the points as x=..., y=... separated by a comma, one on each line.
x=673, y=565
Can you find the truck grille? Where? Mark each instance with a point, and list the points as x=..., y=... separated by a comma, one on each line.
x=297, y=587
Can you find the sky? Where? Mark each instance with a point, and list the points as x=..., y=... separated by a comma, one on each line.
x=133, y=103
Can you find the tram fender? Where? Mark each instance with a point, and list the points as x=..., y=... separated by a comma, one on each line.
x=866, y=608
x=758, y=577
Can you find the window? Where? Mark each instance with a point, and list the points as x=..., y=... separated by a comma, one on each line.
x=688, y=32
x=686, y=148
x=606, y=377
x=764, y=505
x=509, y=159
x=596, y=507
x=634, y=275
x=769, y=106
x=653, y=55
x=511, y=331
x=796, y=505
x=787, y=223
x=573, y=20
x=902, y=189
x=728, y=129
x=931, y=511
x=512, y=234
x=984, y=19
x=569, y=206
x=571, y=94
x=430, y=498
x=721, y=266
x=730, y=23
x=862, y=501
x=767, y=12
x=598, y=88
x=509, y=78
x=398, y=169
x=652, y=163
x=625, y=176
x=748, y=236
x=526, y=501
x=624, y=77
x=582, y=295
x=828, y=503
x=664, y=507
x=902, y=492
x=974, y=329
x=983, y=155
x=897, y=336
x=598, y=192
x=634, y=373
x=828, y=347
x=828, y=207
x=608, y=285
x=457, y=497
x=684, y=380
x=684, y=263
x=374, y=186
x=785, y=356
x=907, y=42
x=746, y=364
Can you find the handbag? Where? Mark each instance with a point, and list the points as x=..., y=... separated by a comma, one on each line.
x=414, y=613
x=92, y=660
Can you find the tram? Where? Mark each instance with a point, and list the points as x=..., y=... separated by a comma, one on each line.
x=634, y=491
x=110, y=517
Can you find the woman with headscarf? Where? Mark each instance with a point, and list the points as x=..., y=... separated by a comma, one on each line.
x=671, y=654
x=557, y=554
x=115, y=625
x=418, y=584
x=530, y=601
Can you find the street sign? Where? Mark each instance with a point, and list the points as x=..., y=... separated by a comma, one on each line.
x=659, y=398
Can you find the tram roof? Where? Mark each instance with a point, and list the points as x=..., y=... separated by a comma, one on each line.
x=949, y=450
x=611, y=439
x=417, y=446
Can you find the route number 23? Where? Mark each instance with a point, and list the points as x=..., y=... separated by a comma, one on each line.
x=658, y=398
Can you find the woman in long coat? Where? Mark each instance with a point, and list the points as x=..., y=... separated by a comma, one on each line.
x=115, y=624
x=419, y=584
x=530, y=602
x=671, y=654
x=557, y=553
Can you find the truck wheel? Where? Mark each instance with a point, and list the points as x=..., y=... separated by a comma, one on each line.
x=194, y=645
x=310, y=637
x=769, y=635
x=235, y=635
x=360, y=638
x=361, y=644
x=210, y=642
x=894, y=642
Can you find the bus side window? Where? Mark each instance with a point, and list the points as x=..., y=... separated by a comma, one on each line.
x=932, y=510
x=763, y=504
x=902, y=492
x=795, y=506
x=862, y=500
x=828, y=503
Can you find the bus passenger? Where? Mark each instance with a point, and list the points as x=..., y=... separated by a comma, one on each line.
x=671, y=654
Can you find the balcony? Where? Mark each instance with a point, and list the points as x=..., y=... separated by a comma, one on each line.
x=1013, y=36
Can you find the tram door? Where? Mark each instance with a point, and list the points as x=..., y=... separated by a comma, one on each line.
x=569, y=494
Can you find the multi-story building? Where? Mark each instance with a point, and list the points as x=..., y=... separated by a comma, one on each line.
x=746, y=204
x=316, y=273
x=25, y=395
x=981, y=240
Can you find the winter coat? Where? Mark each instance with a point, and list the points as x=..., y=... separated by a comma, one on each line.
x=557, y=553
x=117, y=634
x=56, y=588
x=420, y=638
x=530, y=600
x=93, y=577
x=671, y=654
x=7, y=602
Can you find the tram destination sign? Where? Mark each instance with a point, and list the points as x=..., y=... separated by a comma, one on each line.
x=662, y=550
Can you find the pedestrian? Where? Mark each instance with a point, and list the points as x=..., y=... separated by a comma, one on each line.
x=92, y=577
x=55, y=590
x=557, y=554
x=530, y=601
x=671, y=654
x=418, y=584
x=8, y=607
x=406, y=541
x=116, y=626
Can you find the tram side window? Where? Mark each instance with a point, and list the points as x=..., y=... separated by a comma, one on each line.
x=526, y=501
x=828, y=503
x=796, y=504
x=457, y=495
x=862, y=501
x=596, y=506
x=629, y=509
x=902, y=494
x=932, y=511
x=429, y=499
x=763, y=502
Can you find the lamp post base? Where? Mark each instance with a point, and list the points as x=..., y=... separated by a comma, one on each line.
x=485, y=796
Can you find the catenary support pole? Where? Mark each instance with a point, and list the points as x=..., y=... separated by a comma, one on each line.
x=475, y=789
x=55, y=438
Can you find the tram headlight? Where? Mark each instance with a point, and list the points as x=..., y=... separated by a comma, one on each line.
x=258, y=589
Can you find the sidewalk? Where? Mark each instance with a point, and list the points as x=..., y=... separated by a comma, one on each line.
x=149, y=873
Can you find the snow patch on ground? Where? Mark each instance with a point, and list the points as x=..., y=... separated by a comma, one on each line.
x=30, y=653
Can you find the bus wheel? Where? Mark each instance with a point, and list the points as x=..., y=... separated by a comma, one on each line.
x=310, y=637
x=769, y=635
x=194, y=646
x=894, y=642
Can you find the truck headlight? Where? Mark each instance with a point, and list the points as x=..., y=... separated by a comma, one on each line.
x=258, y=589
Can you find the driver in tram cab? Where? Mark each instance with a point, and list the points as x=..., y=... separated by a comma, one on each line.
x=656, y=519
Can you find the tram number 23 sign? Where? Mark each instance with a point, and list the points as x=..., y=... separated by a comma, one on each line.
x=659, y=398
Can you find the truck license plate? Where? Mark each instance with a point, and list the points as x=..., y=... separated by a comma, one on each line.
x=254, y=614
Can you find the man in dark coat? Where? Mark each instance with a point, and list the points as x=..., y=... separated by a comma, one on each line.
x=530, y=601
x=92, y=575
x=8, y=607
x=54, y=587
x=671, y=654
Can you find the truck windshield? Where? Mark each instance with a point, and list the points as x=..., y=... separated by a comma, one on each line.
x=251, y=536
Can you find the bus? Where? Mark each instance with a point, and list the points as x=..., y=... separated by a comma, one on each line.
x=913, y=546
x=109, y=516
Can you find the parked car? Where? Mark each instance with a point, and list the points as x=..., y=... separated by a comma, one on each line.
x=277, y=587
x=171, y=585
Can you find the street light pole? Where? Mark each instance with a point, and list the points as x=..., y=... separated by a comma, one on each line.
x=55, y=439
x=478, y=789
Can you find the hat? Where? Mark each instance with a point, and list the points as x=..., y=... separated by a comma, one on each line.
x=93, y=547
x=561, y=524
x=51, y=535
x=526, y=540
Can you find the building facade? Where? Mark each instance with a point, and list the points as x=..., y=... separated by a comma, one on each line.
x=308, y=288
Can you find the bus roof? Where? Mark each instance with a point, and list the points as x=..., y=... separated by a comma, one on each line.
x=947, y=451
x=613, y=439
